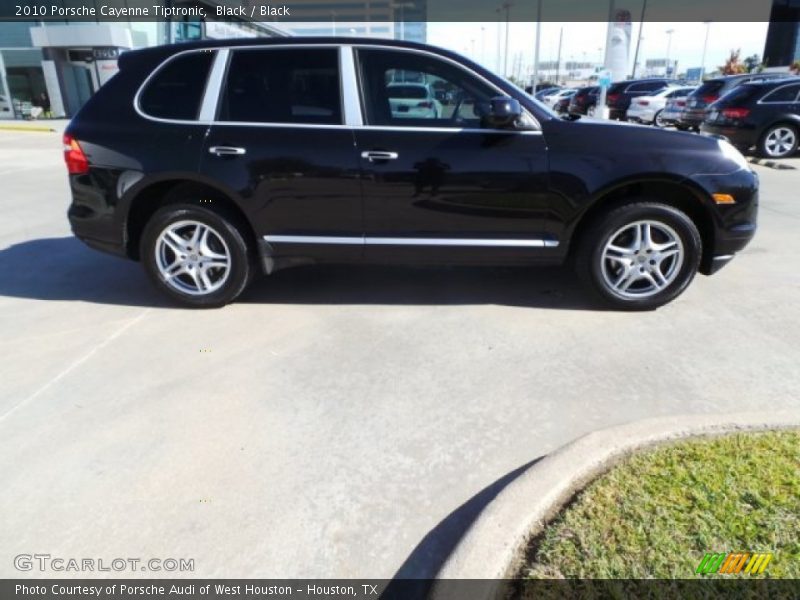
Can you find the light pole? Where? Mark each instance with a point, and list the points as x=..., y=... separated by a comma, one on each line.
x=506, y=6
x=538, y=39
x=705, y=46
x=483, y=44
x=669, y=47
x=639, y=39
x=402, y=6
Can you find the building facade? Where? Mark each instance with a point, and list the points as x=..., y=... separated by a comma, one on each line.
x=782, y=47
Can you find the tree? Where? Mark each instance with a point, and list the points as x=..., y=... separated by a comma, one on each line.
x=734, y=64
x=753, y=64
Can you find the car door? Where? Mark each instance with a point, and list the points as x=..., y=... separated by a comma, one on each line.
x=443, y=188
x=280, y=142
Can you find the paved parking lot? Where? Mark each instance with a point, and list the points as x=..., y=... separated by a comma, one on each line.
x=335, y=422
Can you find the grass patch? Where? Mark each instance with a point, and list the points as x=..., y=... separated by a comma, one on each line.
x=657, y=513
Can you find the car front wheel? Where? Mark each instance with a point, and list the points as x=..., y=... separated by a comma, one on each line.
x=196, y=256
x=639, y=256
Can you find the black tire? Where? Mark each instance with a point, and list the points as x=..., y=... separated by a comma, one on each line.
x=790, y=149
x=596, y=271
x=657, y=119
x=680, y=127
x=227, y=239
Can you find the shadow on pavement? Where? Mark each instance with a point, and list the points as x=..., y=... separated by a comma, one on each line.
x=415, y=575
x=65, y=269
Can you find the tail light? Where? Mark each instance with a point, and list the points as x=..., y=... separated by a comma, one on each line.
x=611, y=98
x=709, y=99
x=735, y=113
x=680, y=102
x=425, y=105
x=77, y=163
x=644, y=102
x=579, y=99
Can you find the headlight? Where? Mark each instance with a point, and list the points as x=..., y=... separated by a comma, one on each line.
x=732, y=154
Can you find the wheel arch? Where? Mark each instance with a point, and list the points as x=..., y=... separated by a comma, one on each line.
x=144, y=199
x=678, y=193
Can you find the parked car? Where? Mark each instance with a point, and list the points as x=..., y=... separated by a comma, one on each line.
x=212, y=162
x=413, y=101
x=648, y=109
x=553, y=99
x=712, y=90
x=765, y=115
x=542, y=94
x=5, y=108
x=562, y=106
x=673, y=109
x=619, y=95
x=584, y=101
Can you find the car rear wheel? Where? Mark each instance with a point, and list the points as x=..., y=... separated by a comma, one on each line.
x=196, y=256
x=639, y=256
x=658, y=121
x=779, y=141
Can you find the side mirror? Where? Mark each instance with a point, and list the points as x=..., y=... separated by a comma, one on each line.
x=503, y=112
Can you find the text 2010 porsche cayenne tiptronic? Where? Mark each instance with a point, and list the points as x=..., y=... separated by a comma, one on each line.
x=211, y=162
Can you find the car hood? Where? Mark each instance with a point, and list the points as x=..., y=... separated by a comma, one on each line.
x=627, y=146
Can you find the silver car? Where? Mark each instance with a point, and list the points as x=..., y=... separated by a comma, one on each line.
x=649, y=109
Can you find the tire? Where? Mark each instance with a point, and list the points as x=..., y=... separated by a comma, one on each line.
x=680, y=127
x=590, y=111
x=219, y=251
x=628, y=280
x=778, y=141
x=657, y=120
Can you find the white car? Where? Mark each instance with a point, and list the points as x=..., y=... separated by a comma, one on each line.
x=552, y=99
x=413, y=101
x=648, y=109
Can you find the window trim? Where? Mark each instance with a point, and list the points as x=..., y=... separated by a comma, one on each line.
x=137, y=98
x=764, y=100
x=348, y=81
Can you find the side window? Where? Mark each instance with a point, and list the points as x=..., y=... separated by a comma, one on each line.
x=407, y=89
x=176, y=90
x=787, y=93
x=283, y=86
x=648, y=86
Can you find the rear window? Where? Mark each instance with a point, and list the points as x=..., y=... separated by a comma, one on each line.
x=741, y=93
x=176, y=90
x=709, y=88
x=406, y=91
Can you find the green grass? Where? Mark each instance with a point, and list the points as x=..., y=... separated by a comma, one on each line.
x=656, y=514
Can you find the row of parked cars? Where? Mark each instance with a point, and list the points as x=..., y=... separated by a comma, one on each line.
x=756, y=110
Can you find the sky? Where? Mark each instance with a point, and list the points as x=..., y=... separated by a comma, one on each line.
x=484, y=42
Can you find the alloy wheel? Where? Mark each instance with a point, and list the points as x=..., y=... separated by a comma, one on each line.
x=642, y=259
x=780, y=141
x=192, y=258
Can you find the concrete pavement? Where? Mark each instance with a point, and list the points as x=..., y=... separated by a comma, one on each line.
x=336, y=422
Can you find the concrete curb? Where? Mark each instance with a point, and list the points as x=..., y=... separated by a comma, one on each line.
x=37, y=128
x=490, y=548
x=772, y=164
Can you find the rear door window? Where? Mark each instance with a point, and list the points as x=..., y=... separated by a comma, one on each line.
x=176, y=89
x=283, y=86
x=783, y=94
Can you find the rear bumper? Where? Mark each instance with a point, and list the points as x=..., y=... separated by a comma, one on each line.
x=740, y=137
x=93, y=218
x=692, y=117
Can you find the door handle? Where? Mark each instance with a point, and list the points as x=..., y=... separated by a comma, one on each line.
x=379, y=155
x=227, y=150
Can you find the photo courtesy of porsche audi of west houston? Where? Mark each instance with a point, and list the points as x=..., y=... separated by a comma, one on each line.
x=160, y=12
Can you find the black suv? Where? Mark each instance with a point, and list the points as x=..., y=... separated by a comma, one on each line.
x=764, y=115
x=619, y=95
x=213, y=162
x=712, y=90
x=584, y=101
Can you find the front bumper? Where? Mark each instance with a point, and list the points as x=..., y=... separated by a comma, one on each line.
x=734, y=225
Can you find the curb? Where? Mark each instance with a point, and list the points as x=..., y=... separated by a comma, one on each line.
x=490, y=548
x=772, y=164
x=38, y=128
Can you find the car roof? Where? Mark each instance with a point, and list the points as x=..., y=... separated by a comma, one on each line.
x=774, y=81
x=768, y=75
